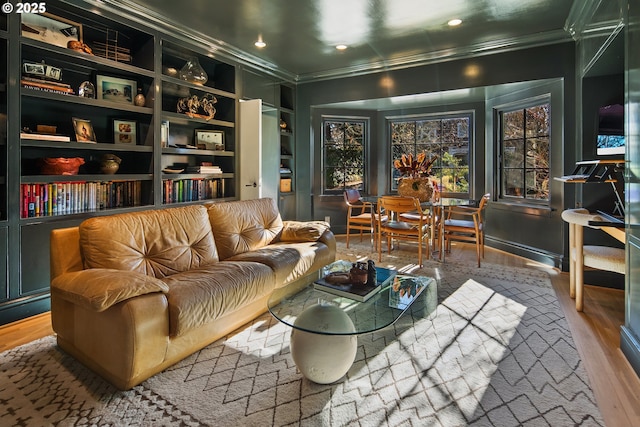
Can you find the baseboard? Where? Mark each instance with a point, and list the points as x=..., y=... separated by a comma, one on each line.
x=630, y=348
x=534, y=254
x=28, y=307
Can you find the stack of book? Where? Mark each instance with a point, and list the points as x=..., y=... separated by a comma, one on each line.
x=46, y=85
x=45, y=137
x=361, y=293
x=204, y=169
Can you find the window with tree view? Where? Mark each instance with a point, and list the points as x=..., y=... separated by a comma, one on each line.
x=524, y=149
x=343, y=154
x=444, y=136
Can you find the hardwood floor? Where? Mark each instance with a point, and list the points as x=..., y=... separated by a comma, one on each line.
x=596, y=332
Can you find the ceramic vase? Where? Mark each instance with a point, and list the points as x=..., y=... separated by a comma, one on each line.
x=422, y=188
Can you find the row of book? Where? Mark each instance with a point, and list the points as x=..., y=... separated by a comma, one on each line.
x=191, y=190
x=63, y=198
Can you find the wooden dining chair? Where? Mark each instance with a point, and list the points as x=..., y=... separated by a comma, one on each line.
x=402, y=223
x=466, y=224
x=360, y=214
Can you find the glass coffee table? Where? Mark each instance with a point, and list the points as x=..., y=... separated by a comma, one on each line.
x=326, y=326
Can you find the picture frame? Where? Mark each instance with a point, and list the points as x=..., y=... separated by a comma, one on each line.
x=115, y=89
x=125, y=132
x=84, y=131
x=51, y=29
x=210, y=139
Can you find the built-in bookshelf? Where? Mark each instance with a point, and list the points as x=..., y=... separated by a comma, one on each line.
x=115, y=94
x=198, y=127
x=287, y=152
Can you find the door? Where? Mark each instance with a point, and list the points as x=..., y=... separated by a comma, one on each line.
x=259, y=151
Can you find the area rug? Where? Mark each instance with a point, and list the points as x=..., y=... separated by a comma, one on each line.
x=496, y=351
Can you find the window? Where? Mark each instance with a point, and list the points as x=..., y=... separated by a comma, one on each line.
x=446, y=136
x=343, y=148
x=524, y=141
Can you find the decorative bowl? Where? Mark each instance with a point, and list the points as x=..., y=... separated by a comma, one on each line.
x=60, y=165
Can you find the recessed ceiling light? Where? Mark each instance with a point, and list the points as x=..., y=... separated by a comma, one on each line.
x=260, y=44
x=454, y=22
x=341, y=46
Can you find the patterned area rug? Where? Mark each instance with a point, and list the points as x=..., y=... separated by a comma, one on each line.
x=496, y=352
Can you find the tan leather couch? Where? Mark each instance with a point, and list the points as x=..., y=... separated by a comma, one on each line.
x=134, y=293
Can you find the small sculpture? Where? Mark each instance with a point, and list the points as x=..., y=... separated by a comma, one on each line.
x=193, y=106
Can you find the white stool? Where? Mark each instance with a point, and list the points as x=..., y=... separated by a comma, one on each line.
x=599, y=257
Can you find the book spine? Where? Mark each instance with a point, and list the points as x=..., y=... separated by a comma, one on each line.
x=43, y=89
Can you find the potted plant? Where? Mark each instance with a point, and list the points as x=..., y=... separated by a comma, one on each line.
x=415, y=175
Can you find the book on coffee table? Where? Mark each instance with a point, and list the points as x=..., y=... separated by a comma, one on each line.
x=359, y=293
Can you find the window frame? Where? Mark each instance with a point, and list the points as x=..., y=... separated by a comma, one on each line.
x=499, y=171
x=468, y=114
x=365, y=121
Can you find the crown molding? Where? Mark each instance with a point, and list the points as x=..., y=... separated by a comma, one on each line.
x=429, y=58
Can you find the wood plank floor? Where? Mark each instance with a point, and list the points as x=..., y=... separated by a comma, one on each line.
x=596, y=332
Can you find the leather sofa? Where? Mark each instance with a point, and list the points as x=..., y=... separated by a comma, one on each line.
x=134, y=293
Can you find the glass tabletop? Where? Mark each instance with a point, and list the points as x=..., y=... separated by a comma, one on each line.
x=404, y=293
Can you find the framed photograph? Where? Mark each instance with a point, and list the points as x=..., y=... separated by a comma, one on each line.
x=115, y=89
x=124, y=132
x=51, y=29
x=84, y=130
x=210, y=139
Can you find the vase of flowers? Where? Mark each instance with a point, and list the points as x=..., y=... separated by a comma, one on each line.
x=415, y=176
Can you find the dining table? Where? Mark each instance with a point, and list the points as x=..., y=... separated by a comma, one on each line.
x=435, y=209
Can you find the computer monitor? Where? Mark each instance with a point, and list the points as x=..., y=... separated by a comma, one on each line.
x=610, y=138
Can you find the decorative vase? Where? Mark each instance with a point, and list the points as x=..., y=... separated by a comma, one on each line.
x=110, y=164
x=422, y=188
x=193, y=72
x=139, y=100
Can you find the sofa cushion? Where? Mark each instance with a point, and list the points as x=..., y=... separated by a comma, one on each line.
x=245, y=225
x=157, y=243
x=303, y=231
x=98, y=289
x=290, y=261
x=198, y=296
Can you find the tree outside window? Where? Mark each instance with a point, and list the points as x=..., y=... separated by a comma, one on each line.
x=524, y=148
x=444, y=136
x=343, y=154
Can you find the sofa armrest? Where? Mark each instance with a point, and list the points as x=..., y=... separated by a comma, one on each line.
x=303, y=231
x=98, y=289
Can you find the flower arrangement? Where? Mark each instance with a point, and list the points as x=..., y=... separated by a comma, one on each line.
x=419, y=167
